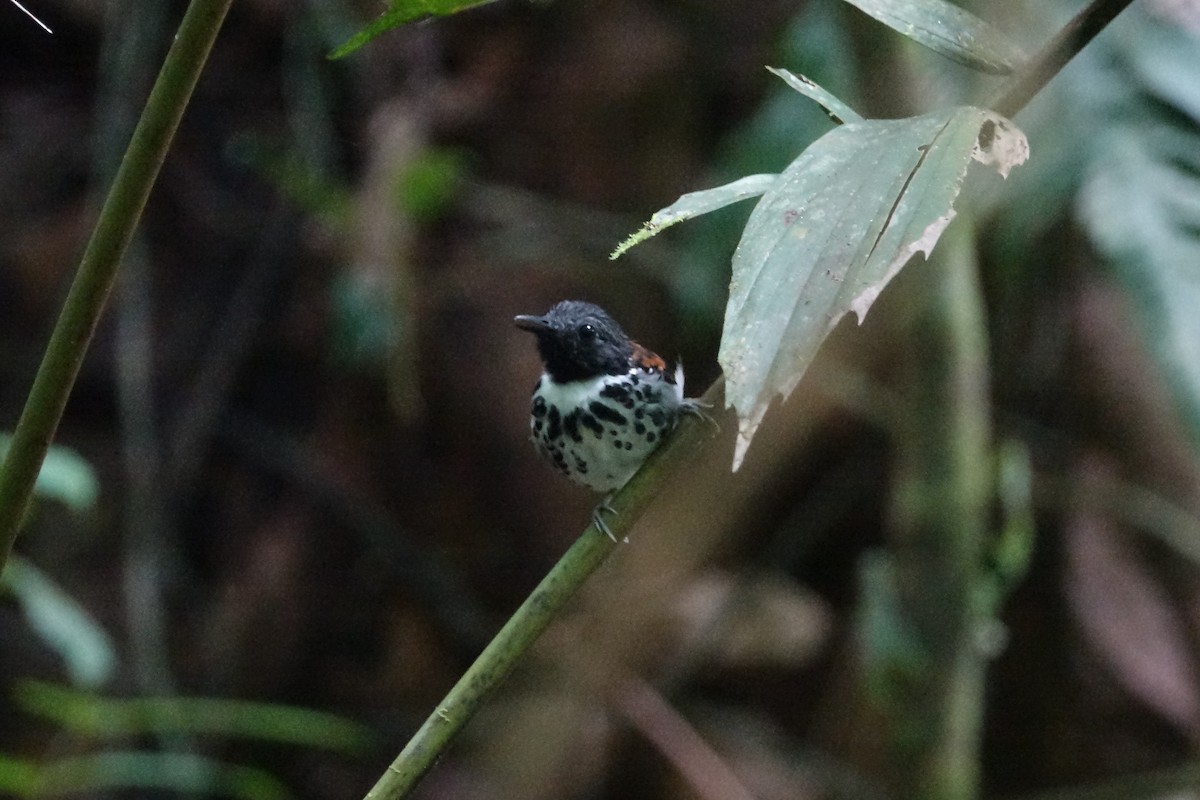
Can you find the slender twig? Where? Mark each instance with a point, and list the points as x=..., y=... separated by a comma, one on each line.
x=1055, y=55
x=133, y=41
x=539, y=609
x=494, y=664
x=698, y=762
x=934, y=565
x=98, y=267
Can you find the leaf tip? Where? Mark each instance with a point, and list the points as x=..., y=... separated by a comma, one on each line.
x=739, y=449
x=637, y=237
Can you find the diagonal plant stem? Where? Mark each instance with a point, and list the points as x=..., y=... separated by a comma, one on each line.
x=98, y=267
x=540, y=608
x=1054, y=56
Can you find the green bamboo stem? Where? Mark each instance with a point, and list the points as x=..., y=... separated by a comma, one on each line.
x=98, y=268
x=541, y=607
x=494, y=664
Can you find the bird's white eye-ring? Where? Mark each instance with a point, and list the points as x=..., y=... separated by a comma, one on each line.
x=586, y=331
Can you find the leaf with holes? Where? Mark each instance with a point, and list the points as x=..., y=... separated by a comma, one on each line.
x=837, y=225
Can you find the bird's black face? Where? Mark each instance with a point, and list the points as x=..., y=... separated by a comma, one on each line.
x=578, y=340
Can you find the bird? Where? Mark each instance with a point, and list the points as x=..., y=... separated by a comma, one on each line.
x=604, y=402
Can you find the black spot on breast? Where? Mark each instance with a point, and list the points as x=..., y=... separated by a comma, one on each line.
x=639, y=414
x=539, y=406
x=571, y=424
x=651, y=437
x=555, y=424
x=606, y=413
x=638, y=428
x=592, y=424
x=537, y=426
x=658, y=418
x=616, y=391
x=617, y=444
x=619, y=393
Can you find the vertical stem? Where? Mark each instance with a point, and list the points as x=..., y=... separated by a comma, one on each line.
x=933, y=694
x=133, y=38
x=98, y=267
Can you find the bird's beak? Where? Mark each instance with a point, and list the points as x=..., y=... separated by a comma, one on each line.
x=532, y=324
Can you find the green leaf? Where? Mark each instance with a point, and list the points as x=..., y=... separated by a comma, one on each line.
x=431, y=181
x=833, y=230
x=106, y=772
x=400, y=13
x=85, y=647
x=838, y=111
x=17, y=777
x=65, y=476
x=949, y=30
x=1012, y=547
x=103, y=717
x=693, y=204
x=1140, y=201
x=296, y=178
x=1141, y=206
x=891, y=650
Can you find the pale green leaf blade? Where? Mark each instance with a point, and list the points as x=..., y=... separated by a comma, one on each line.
x=65, y=476
x=99, y=717
x=838, y=111
x=1141, y=205
x=693, y=204
x=401, y=12
x=949, y=30
x=85, y=647
x=837, y=225
x=106, y=772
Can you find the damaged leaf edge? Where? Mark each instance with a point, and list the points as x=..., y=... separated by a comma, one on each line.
x=999, y=144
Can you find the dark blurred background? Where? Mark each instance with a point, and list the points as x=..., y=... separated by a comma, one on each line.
x=305, y=412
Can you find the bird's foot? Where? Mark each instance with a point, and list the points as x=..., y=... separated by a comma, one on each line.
x=598, y=517
x=695, y=407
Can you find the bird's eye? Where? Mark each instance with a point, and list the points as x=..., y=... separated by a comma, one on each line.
x=586, y=331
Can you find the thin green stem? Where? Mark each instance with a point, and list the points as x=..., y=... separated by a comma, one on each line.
x=98, y=267
x=933, y=686
x=1054, y=56
x=539, y=609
